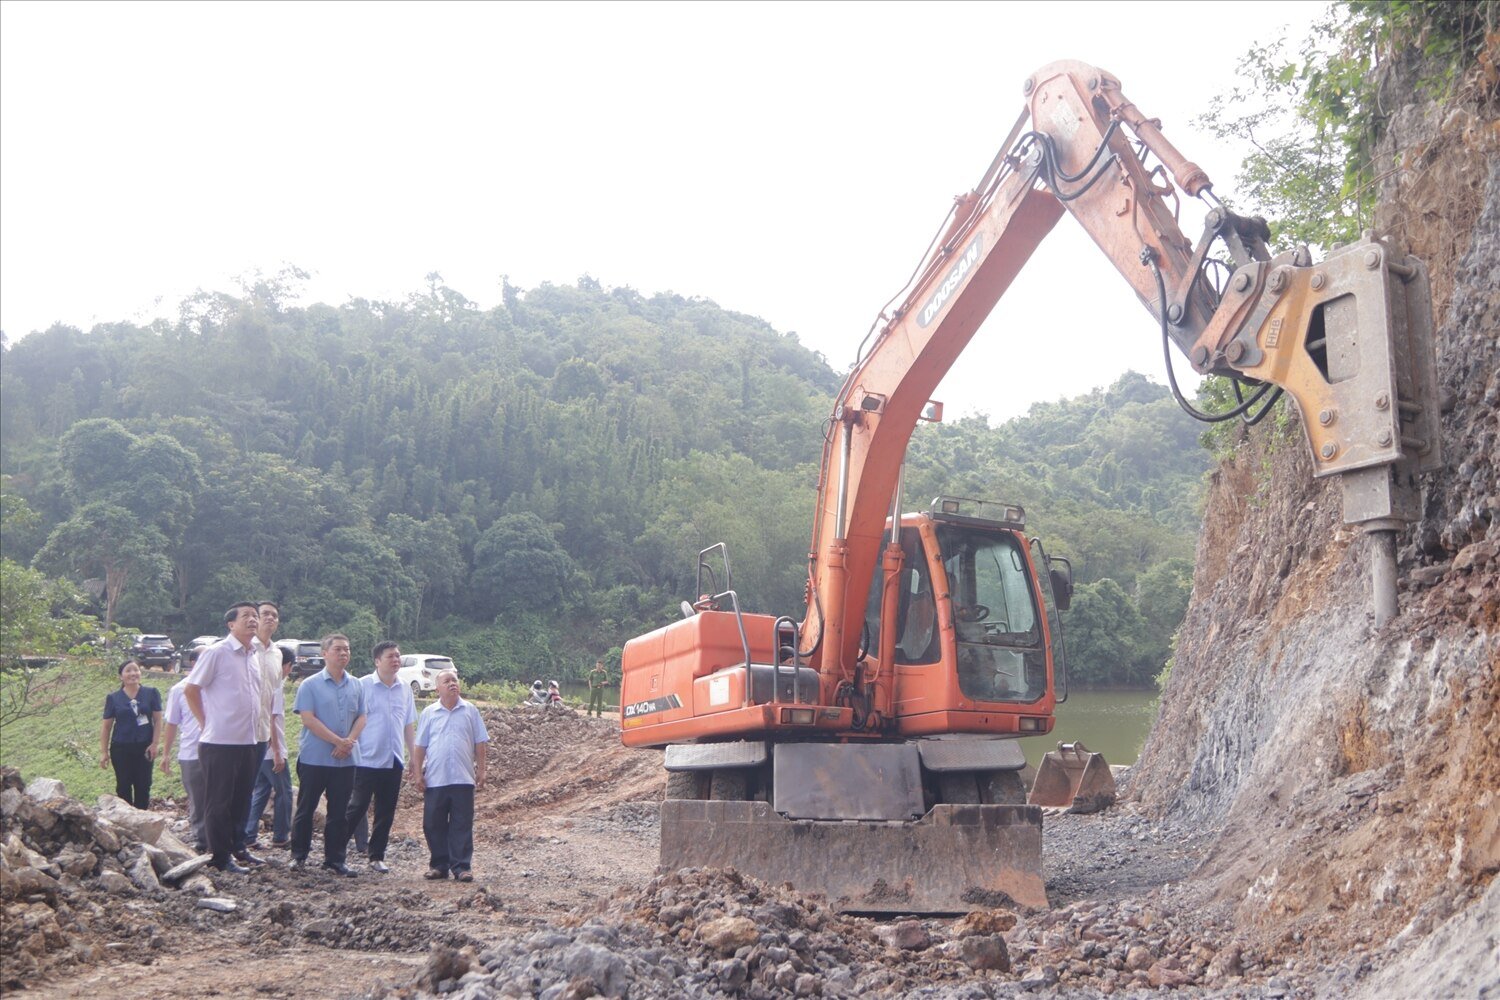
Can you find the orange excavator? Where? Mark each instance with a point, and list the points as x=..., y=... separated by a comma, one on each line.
x=867, y=746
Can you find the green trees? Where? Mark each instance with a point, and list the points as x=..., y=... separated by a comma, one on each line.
x=518, y=565
x=109, y=540
x=1104, y=633
x=1316, y=121
x=39, y=615
x=526, y=486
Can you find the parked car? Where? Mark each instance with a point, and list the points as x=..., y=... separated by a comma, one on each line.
x=307, y=656
x=153, y=651
x=201, y=642
x=420, y=671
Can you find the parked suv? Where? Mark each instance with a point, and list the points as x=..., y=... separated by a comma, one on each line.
x=420, y=671
x=201, y=642
x=154, y=651
x=308, y=656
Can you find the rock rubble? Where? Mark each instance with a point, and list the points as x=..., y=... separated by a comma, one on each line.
x=717, y=933
x=77, y=883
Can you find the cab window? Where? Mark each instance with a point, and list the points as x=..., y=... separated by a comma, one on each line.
x=916, y=607
x=995, y=620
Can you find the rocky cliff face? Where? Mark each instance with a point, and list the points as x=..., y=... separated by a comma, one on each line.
x=1352, y=771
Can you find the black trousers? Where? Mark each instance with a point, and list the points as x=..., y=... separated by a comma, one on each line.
x=241, y=838
x=229, y=775
x=132, y=773
x=448, y=825
x=383, y=784
x=314, y=781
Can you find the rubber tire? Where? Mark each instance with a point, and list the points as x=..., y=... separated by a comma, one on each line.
x=416, y=690
x=1002, y=788
x=957, y=787
x=685, y=785
x=729, y=785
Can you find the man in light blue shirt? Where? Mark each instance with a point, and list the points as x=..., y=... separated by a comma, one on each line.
x=448, y=760
x=332, y=707
x=383, y=748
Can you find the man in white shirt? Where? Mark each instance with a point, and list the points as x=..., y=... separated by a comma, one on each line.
x=384, y=746
x=381, y=753
x=271, y=781
x=223, y=693
x=449, y=759
x=267, y=732
x=180, y=720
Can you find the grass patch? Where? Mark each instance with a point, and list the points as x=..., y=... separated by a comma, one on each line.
x=494, y=692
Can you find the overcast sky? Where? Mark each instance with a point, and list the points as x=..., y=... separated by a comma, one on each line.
x=790, y=161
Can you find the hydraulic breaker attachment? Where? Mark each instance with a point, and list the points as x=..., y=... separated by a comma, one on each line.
x=1351, y=341
x=955, y=859
x=1074, y=778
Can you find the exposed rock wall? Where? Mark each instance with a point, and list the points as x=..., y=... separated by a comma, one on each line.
x=1352, y=771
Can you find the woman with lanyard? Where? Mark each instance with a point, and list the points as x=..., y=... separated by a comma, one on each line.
x=128, y=738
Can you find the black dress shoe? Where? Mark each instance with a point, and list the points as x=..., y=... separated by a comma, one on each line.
x=298, y=864
x=247, y=859
x=341, y=869
x=234, y=868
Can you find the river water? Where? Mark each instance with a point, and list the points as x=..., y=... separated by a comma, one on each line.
x=1113, y=723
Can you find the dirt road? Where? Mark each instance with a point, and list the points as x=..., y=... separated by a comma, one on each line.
x=565, y=854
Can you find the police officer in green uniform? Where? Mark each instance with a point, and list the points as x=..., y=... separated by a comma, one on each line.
x=598, y=678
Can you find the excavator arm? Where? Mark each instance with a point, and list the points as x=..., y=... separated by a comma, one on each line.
x=1349, y=339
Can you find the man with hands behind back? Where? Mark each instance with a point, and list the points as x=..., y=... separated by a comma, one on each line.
x=331, y=705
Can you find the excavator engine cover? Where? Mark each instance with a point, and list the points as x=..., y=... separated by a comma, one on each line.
x=1074, y=778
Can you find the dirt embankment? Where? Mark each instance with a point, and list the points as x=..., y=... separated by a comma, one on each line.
x=1350, y=770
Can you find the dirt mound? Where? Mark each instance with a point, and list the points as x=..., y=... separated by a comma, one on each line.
x=70, y=879
x=561, y=761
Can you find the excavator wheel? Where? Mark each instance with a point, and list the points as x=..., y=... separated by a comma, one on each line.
x=957, y=787
x=686, y=785
x=729, y=785
x=1002, y=788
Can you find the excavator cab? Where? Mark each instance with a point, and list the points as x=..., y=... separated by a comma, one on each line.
x=912, y=766
x=977, y=643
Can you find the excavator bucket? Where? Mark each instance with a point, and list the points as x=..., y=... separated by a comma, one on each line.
x=1074, y=778
x=956, y=859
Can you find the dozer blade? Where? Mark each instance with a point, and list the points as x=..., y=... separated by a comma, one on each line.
x=1074, y=778
x=955, y=859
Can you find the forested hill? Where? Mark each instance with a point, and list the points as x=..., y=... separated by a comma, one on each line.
x=523, y=487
